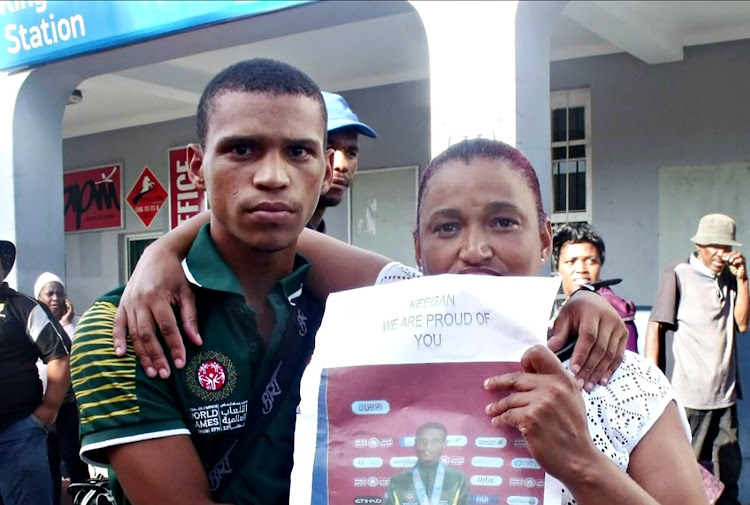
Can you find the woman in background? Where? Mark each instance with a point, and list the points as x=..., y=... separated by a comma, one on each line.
x=578, y=257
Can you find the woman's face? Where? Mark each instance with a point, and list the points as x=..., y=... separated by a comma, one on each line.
x=480, y=218
x=579, y=264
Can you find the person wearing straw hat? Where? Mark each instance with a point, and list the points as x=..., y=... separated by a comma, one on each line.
x=28, y=331
x=705, y=302
x=344, y=129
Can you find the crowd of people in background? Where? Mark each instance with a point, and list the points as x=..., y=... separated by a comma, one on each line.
x=135, y=421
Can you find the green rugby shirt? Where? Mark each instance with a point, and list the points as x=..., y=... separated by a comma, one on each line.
x=210, y=396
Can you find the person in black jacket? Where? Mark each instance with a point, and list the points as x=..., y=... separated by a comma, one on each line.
x=28, y=331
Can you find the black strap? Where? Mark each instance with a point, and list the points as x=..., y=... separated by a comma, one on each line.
x=606, y=283
x=268, y=395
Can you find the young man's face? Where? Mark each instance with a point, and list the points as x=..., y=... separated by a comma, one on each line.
x=345, y=143
x=430, y=444
x=263, y=166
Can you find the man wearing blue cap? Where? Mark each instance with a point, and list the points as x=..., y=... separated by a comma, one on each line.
x=344, y=129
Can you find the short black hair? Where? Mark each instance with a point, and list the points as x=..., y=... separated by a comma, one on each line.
x=575, y=233
x=259, y=75
x=432, y=426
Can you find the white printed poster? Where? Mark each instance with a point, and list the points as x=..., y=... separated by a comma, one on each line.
x=392, y=408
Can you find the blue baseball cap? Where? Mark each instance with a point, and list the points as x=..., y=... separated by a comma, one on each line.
x=340, y=115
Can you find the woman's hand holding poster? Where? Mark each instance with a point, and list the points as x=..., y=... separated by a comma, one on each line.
x=393, y=404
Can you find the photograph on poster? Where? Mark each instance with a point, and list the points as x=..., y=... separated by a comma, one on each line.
x=416, y=434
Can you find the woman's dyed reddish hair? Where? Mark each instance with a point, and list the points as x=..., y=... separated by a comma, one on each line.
x=467, y=150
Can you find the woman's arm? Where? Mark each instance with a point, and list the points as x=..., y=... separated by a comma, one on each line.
x=662, y=470
x=337, y=266
x=671, y=479
x=545, y=405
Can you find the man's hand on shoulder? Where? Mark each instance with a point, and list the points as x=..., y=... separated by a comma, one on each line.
x=602, y=336
x=157, y=284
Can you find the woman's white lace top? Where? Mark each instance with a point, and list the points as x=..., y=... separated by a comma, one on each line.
x=621, y=413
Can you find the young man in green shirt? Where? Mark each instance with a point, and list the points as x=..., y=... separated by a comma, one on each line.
x=221, y=428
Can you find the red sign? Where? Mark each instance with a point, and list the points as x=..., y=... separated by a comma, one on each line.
x=93, y=198
x=147, y=197
x=185, y=200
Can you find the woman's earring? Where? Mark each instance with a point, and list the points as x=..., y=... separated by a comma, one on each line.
x=542, y=260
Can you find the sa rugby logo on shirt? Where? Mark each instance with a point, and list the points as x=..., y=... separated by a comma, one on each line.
x=211, y=376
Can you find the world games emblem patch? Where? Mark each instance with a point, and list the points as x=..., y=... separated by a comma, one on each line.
x=211, y=376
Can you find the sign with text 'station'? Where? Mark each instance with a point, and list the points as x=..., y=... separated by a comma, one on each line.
x=392, y=407
x=93, y=198
x=185, y=200
x=37, y=32
x=147, y=197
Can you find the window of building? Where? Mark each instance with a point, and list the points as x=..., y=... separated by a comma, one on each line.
x=571, y=155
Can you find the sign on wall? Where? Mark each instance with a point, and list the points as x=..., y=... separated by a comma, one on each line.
x=147, y=197
x=93, y=198
x=185, y=200
x=39, y=32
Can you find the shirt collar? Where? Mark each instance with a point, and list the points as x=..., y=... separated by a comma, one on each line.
x=205, y=267
x=702, y=269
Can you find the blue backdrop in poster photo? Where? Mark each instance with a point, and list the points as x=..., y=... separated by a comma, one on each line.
x=37, y=32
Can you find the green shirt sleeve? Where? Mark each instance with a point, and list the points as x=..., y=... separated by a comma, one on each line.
x=117, y=402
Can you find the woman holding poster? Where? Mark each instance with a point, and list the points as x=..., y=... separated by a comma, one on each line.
x=480, y=212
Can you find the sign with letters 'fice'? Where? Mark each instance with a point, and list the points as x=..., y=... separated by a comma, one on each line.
x=185, y=200
x=37, y=32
